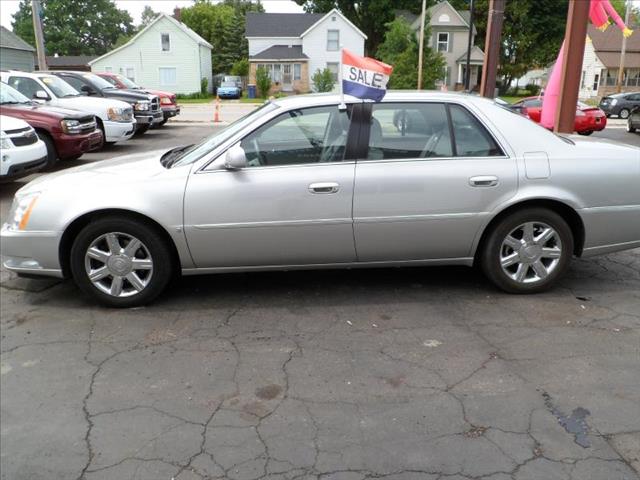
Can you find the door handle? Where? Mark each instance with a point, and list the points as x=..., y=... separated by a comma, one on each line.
x=324, y=187
x=483, y=181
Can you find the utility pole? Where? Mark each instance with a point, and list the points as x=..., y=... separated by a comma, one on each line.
x=492, y=46
x=574, y=40
x=421, y=48
x=37, y=29
x=467, y=75
x=627, y=17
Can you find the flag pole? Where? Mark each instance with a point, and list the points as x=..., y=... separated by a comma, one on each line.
x=342, y=106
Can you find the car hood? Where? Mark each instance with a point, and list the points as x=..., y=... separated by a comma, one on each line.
x=124, y=169
x=92, y=103
x=46, y=110
x=126, y=95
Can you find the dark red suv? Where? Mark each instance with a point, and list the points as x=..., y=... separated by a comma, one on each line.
x=66, y=133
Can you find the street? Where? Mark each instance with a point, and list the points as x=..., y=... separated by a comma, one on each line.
x=417, y=373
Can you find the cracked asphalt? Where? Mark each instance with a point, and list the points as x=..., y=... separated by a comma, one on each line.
x=401, y=374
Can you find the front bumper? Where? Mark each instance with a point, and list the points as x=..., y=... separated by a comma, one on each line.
x=74, y=145
x=31, y=253
x=228, y=94
x=119, y=131
x=19, y=161
x=170, y=111
x=149, y=118
x=23, y=169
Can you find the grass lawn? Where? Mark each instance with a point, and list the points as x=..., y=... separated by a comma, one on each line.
x=512, y=99
x=252, y=100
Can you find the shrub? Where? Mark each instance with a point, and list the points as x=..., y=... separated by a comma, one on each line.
x=532, y=89
x=240, y=68
x=204, y=86
x=323, y=80
x=263, y=82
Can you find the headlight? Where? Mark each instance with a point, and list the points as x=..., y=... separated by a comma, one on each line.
x=5, y=142
x=70, y=126
x=21, y=211
x=142, y=106
x=165, y=101
x=118, y=114
x=614, y=101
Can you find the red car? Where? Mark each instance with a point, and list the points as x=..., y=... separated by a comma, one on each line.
x=588, y=119
x=167, y=99
x=66, y=133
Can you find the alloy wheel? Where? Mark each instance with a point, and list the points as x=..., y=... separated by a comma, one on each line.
x=118, y=264
x=530, y=252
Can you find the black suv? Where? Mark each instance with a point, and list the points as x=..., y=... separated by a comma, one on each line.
x=146, y=107
x=620, y=104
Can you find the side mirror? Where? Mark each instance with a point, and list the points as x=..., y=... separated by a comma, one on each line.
x=87, y=89
x=41, y=95
x=235, y=158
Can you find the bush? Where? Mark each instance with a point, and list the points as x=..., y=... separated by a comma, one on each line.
x=323, y=80
x=240, y=68
x=192, y=96
x=263, y=82
x=204, y=86
x=532, y=89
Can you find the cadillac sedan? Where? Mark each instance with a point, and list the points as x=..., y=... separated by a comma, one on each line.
x=301, y=183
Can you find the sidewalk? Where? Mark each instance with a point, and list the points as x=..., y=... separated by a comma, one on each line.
x=203, y=113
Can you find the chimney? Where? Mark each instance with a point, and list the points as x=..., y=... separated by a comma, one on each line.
x=176, y=13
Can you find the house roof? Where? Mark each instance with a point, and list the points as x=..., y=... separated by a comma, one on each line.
x=193, y=35
x=280, y=24
x=8, y=39
x=608, y=45
x=477, y=56
x=281, y=52
x=70, y=60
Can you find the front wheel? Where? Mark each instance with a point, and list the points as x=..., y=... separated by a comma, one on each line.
x=52, y=154
x=527, y=251
x=121, y=262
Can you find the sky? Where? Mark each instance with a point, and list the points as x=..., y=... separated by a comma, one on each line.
x=135, y=7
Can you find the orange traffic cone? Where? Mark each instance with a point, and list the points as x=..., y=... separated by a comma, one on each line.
x=216, y=115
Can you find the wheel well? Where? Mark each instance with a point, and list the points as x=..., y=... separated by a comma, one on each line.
x=72, y=231
x=565, y=211
x=43, y=132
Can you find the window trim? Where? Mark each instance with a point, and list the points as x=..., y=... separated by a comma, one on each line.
x=337, y=49
x=168, y=34
x=438, y=41
x=168, y=84
x=364, y=135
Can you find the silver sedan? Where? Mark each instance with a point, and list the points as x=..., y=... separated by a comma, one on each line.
x=418, y=179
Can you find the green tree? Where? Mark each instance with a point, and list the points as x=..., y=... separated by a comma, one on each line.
x=323, y=80
x=240, y=68
x=400, y=49
x=79, y=27
x=263, y=82
x=148, y=16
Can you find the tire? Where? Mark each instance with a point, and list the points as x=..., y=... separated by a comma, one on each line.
x=586, y=133
x=52, y=154
x=518, y=275
x=630, y=129
x=624, y=113
x=104, y=135
x=153, y=257
x=142, y=130
x=162, y=122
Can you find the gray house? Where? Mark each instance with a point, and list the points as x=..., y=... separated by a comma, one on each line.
x=449, y=36
x=15, y=53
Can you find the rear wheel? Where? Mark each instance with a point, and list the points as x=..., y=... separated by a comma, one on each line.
x=121, y=262
x=624, y=113
x=586, y=133
x=52, y=154
x=527, y=251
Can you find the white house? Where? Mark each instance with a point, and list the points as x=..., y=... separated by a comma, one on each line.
x=165, y=55
x=293, y=46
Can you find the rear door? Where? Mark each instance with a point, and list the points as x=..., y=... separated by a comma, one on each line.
x=431, y=175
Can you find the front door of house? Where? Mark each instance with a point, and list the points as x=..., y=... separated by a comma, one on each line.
x=287, y=84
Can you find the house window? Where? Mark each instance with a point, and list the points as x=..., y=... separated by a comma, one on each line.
x=333, y=40
x=633, y=77
x=443, y=41
x=584, y=75
x=596, y=82
x=612, y=78
x=131, y=74
x=277, y=73
x=333, y=66
x=168, y=76
x=165, y=41
x=297, y=71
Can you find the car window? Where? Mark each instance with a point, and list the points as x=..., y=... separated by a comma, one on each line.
x=26, y=86
x=74, y=82
x=59, y=87
x=111, y=80
x=307, y=135
x=409, y=130
x=471, y=138
x=533, y=103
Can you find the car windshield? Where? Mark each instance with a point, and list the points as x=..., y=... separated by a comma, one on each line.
x=196, y=152
x=9, y=95
x=59, y=87
x=126, y=82
x=97, y=81
x=228, y=84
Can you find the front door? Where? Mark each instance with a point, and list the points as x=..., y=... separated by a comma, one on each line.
x=290, y=206
x=432, y=174
x=287, y=83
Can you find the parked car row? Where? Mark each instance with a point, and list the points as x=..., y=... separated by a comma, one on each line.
x=71, y=113
x=620, y=104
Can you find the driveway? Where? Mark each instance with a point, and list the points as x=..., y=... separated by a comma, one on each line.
x=420, y=373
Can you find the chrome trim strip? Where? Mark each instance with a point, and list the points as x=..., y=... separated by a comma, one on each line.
x=282, y=223
x=613, y=247
x=611, y=208
x=416, y=218
x=44, y=272
x=464, y=261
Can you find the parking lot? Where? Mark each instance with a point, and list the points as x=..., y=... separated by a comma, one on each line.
x=420, y=373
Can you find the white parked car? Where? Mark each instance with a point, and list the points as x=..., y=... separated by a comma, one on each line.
x=21, y=151
x=115, y=117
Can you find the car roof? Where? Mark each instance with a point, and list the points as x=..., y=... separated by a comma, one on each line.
x=28, y=74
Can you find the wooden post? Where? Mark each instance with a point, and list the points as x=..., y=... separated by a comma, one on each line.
x=492, y=47
x=421, y=47
x=467, y=75
x=37, y=30
x=574, y=41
